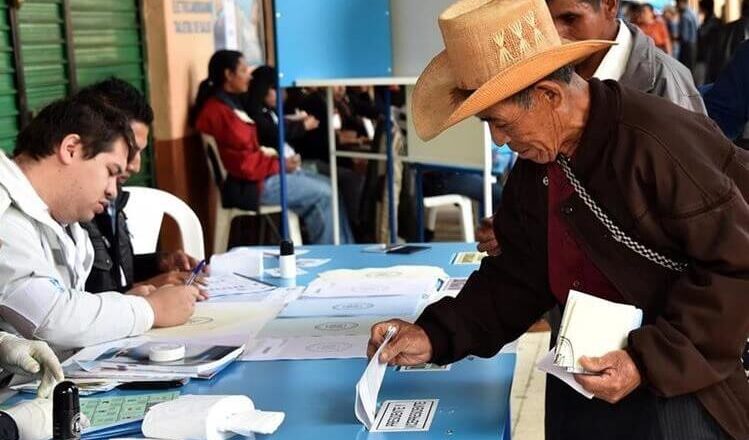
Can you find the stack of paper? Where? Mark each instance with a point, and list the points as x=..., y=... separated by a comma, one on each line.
x=385, y=281
x=129, y=360
x=591, y=327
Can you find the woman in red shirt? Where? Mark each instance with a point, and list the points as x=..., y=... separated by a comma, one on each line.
x=218, y=113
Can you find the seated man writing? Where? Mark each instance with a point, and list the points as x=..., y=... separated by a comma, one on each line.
x=64, y=170
x=115, y=265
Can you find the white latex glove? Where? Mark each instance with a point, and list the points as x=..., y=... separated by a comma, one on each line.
x=34, y=419
x=33, y=358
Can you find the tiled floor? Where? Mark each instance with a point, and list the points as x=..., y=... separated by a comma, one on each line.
x=528, y=388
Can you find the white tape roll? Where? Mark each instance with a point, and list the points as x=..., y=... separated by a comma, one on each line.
x=166, y=352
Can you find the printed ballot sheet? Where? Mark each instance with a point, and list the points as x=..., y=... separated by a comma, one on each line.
x=365, y=306
x=322, y=326
x=381, y=281
x=232, y=284
x=368, y=387
x=220, y=323
x=307, y=347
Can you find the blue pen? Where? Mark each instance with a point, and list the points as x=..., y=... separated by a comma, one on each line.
x=195, y=273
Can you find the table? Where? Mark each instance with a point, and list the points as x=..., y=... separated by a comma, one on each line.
x=318, y=395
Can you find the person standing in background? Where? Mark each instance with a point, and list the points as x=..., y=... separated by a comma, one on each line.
x=654, y=27
x=687, y=35
x=708, y=44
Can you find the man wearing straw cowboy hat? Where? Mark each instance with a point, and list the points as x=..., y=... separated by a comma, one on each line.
x=604, y=199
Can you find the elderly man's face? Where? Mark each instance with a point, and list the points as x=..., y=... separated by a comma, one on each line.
x=534, y=133
x=578, y=20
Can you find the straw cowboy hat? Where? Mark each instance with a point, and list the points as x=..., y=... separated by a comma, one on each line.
x=493, y=49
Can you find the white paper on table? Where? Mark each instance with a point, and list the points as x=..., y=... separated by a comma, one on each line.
x=283, y=295
x=242, y=260
x=336, y=288
x=401, y=271
x=311, y=262
x=275, y=272
x=231, y=284
x=362, y=306
x=592, y=327
x=307, y=347
x=546, y=364
x=220, y=323
x=368, y=387
x=322, y=326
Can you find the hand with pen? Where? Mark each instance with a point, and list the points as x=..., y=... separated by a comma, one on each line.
x=177, y=268
x=174, y=304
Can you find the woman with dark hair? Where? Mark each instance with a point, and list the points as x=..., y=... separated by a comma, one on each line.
x=260, y=103
x=219, y=113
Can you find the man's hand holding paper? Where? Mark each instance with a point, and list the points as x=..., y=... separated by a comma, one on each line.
x=617, y=375
x=409, y=346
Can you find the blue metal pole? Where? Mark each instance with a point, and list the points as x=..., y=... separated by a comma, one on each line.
x=392, y=215
x=281, y=131
x=419, y=202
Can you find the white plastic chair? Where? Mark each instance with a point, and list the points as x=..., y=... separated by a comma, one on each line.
x=145, y=211
x=225, y=216
x=432, y=205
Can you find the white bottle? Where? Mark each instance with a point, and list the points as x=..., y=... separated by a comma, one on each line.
x=287, y=260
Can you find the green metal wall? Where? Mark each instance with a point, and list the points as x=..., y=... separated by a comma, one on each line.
x=8, y=93
x=41, y=29
x=106, y=41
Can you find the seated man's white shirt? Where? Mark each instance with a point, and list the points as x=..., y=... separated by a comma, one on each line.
x=43, y=271
x=615, y=62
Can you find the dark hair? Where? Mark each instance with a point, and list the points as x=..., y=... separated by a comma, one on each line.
x=562, y=75
x=219, y=63
x=708, y=6
x=98, y=124
x=124, y=97
x=263, y=79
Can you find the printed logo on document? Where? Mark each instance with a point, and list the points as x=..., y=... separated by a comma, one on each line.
x=329, y=347
x=353, y=306
x=336, y=326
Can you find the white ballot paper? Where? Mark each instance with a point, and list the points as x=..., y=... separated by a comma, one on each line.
x=546, y=364
x=240, y=260
x=307, y=347
x=232, y=284
x=592, y=327
x=369, y=385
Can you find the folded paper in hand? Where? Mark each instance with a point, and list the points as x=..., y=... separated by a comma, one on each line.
x=590, y=327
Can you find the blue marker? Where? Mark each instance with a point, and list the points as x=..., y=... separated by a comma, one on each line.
x=195, y=273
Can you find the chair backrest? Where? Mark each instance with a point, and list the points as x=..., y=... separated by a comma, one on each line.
x=145, y=211
x=215, y=166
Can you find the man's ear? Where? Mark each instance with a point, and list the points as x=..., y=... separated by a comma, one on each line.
x=549, y=91
x=70, y=146
x=610, y=8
